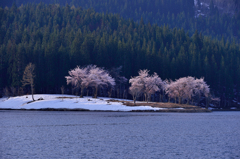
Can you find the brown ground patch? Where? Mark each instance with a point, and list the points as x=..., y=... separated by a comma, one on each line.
x=65, y=97
x=161, y=105
x=171, y=107
x=115, y=100
x=156, y=104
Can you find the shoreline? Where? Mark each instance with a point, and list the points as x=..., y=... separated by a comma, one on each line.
x=87, y=110
x=57, y=102
x=200, y=110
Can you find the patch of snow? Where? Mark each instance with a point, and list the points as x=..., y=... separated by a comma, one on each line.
x=51, y=101
x=178, y=108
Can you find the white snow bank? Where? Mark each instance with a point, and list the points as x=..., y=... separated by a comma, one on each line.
x=51, y=101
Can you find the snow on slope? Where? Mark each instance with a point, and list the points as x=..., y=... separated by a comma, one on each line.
x=51, y=101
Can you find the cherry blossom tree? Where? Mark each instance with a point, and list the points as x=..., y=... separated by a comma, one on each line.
x=138, y=84
x=170, y=90
x=190, y=88
x=201, y=88
x=90, y=76
x=136, y=89
x=143, y=83
x=152, y=84
x=173, y=90
x=98, y=77
x=187, y=87
x=76, y=76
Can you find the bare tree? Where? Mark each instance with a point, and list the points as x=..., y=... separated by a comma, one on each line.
x=28, y=77
x=119, y=80
x=20, y=91
x=6, y=92
x=62, y=90
x=13, y=90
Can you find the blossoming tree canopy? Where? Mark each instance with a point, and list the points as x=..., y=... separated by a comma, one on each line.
x=144, y=83
x=76, y=77
x=187, y=87
x=90, y=76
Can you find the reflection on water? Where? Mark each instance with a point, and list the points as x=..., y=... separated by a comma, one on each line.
x=36, y=134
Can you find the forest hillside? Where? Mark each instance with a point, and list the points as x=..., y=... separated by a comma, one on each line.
x=58, y=38
x=215, y=18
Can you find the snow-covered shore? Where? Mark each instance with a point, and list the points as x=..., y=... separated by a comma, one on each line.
x=71, y=102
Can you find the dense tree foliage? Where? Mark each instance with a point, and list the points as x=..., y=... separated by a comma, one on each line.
x=56, y=39
x=174, y=13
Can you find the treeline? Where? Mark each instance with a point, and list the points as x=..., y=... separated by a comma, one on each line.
x=56, y=39
x=174, y=13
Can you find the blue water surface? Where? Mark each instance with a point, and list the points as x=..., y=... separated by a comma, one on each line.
x=56, y=134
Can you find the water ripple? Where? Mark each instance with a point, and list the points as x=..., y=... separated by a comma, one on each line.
x=27, y=134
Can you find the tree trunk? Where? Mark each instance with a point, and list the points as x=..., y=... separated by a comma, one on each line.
x=32, y=92
x=207, y=102
x=110, y=93
x=199, y=98
x=145, y=95
x=134, y=99
x=81, y=96
x=87, y=91
x=118, y=93
x=148, y=98
x=180, y=100
x=96, y=90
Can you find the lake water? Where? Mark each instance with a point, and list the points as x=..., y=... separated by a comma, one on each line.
x=47, y=135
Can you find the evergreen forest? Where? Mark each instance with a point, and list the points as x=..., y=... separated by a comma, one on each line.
x=57, y=38
x=174, y=13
